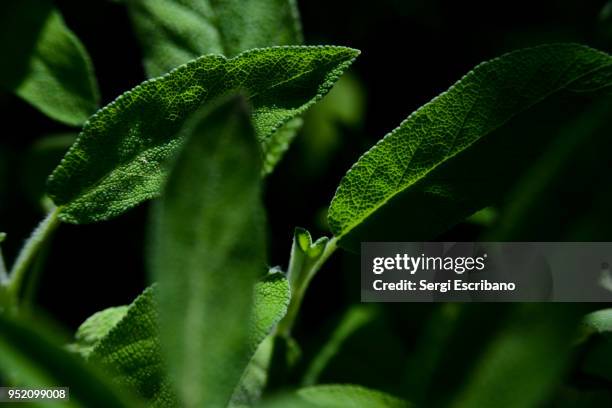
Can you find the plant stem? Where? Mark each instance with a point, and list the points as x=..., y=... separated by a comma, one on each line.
x=307, y=271
x=28, y=253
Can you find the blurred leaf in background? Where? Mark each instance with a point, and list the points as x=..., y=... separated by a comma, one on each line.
x=172, y=32
x=208, y=252
x=49, y=67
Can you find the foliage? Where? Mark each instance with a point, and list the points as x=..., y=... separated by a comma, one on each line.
x=230, y=87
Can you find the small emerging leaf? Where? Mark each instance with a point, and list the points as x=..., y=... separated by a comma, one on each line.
x=117, y=160
x=44, y=63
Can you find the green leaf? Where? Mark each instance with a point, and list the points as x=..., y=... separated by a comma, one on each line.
x=208, y=251
x=49, y=67
x=131, y=352
x=598, y=352
x=600, y=321
x=341, y=396
x=271, y=299
x=526, y=360
x=125, y=340
x=423, y=173
x=278, y=144
x=117, y=161
x=34, y=359
x=95, y=328
x=173, y=32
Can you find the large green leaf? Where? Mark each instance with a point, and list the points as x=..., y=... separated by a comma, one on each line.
x=208, y=251
x=423, y=173
x=33, y=358
x=44, y=62
x=173, y=32
x=117, y=160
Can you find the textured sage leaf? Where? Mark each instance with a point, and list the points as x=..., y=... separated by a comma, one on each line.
x=117, y=160
x=271, y=299
x=208, y=251
x=45, y=63
x=420, y=178
x=125, y=341
x=130, y=351
x=173, y=32
x=95, y=328
x=341, y=396
x=526, y=360
x=33, y=358
x=276, y=146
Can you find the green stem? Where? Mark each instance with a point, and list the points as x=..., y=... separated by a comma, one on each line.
x=301, y=273
x=28, y=253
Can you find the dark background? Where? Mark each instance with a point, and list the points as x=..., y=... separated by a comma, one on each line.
x=411, y=51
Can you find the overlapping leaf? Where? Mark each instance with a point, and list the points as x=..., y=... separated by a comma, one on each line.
x=131, y=352
x=117, y=161
x=208, y=253
x=420, y=177
x=47, y=65
x=173, y=32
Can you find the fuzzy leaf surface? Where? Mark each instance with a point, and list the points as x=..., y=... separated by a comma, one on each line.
x=130, y=351
x=271, y=300
x=117, y=160
x=173, y=32
x=208, y=252
x=423, y=173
